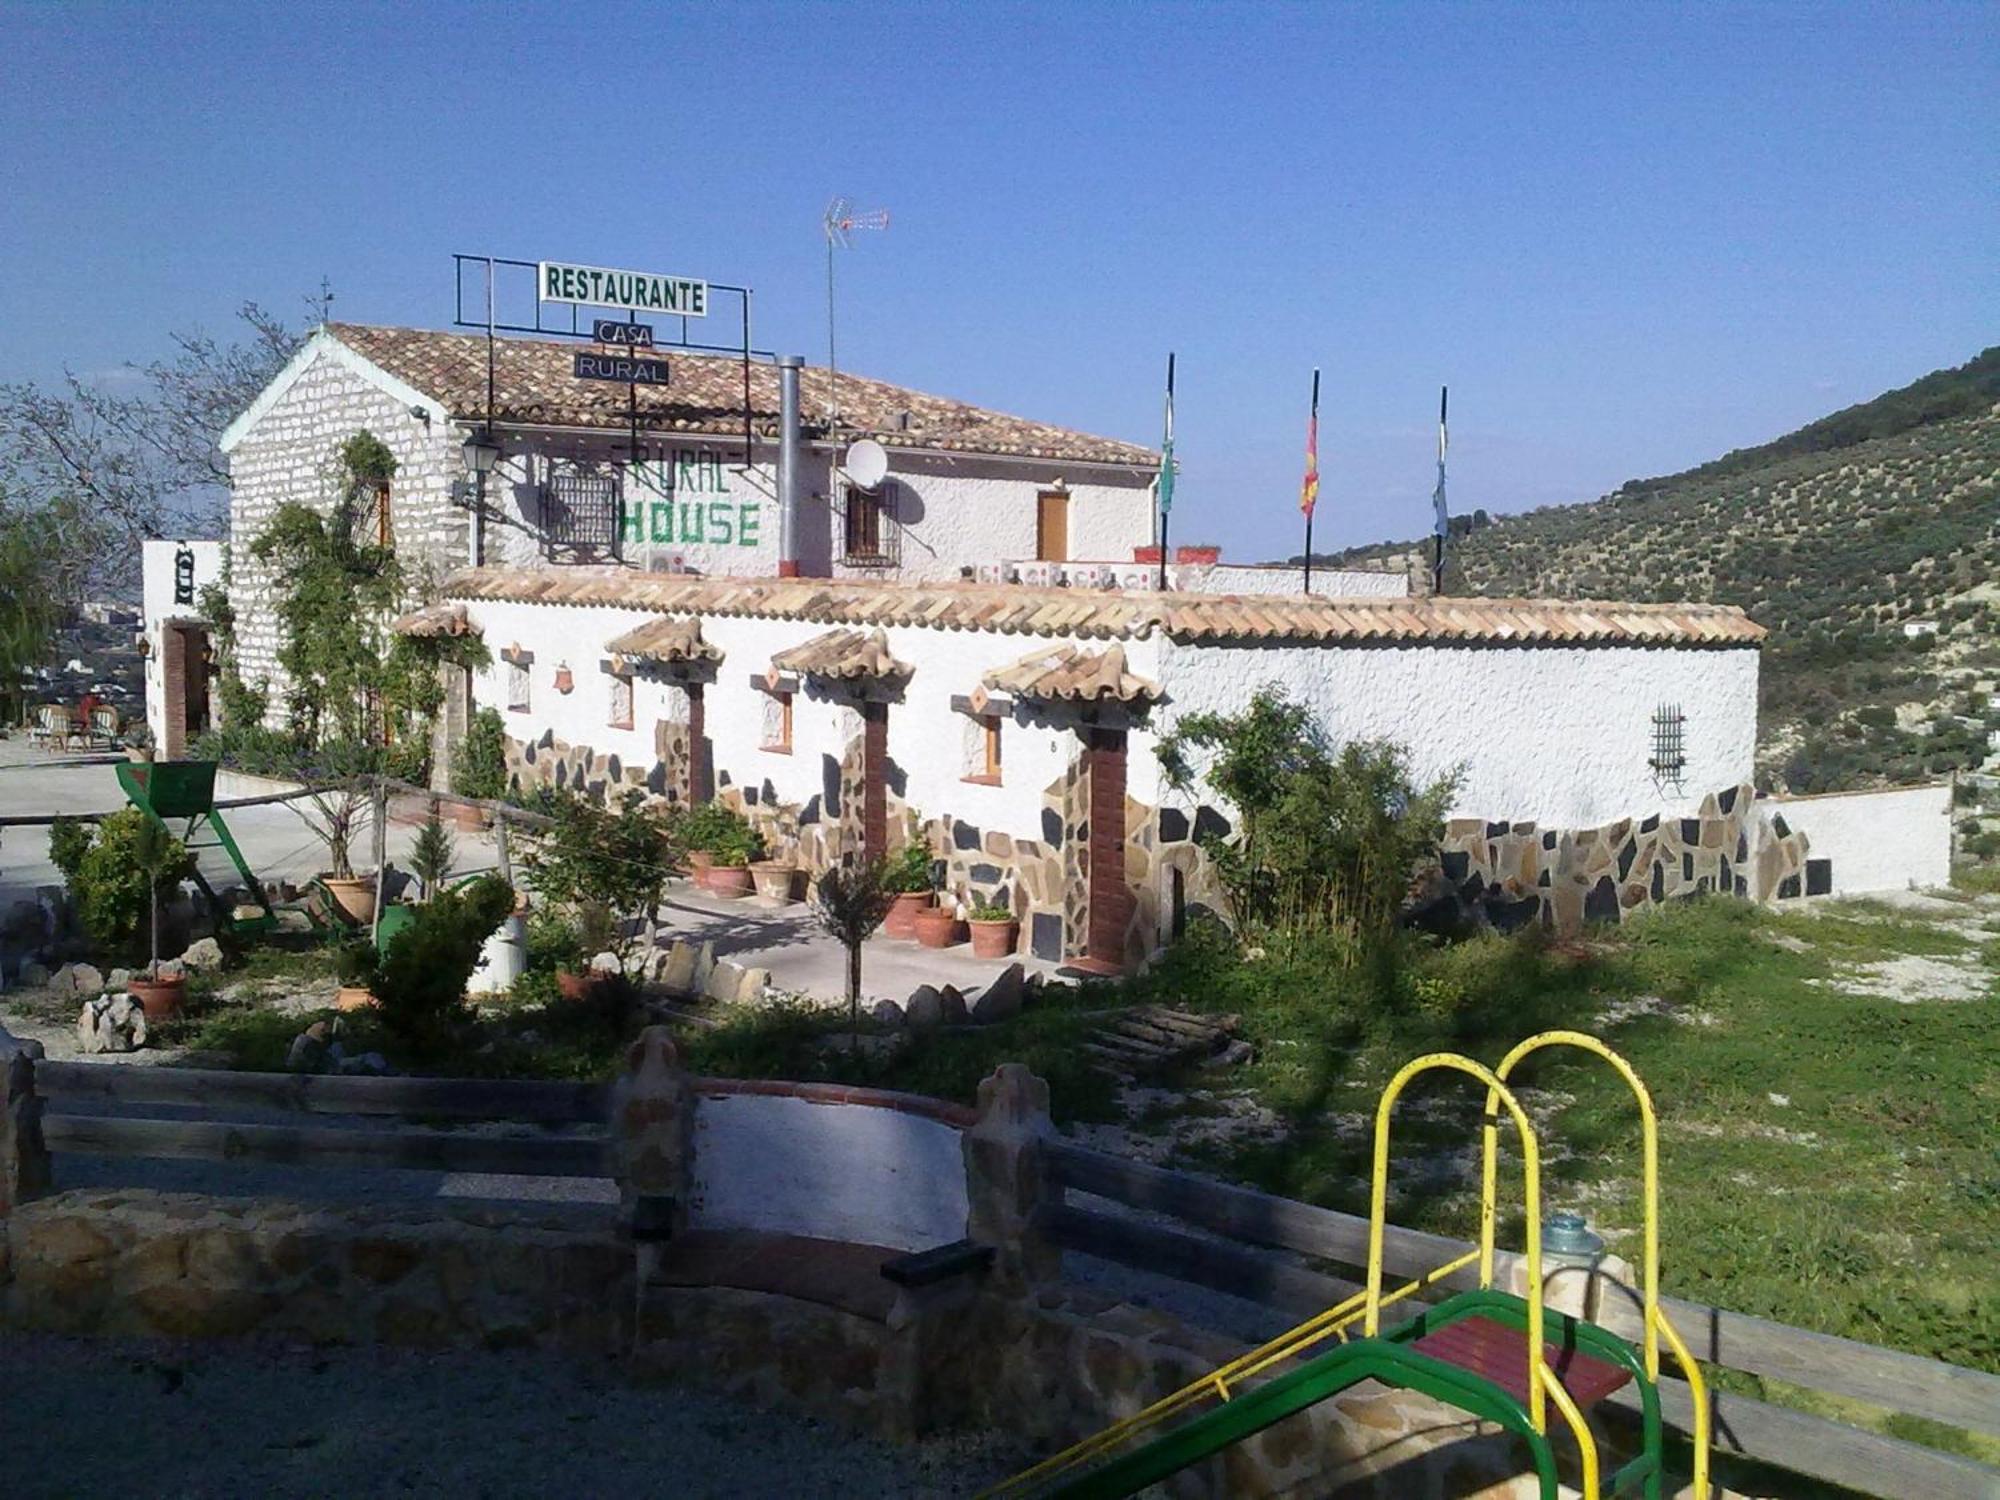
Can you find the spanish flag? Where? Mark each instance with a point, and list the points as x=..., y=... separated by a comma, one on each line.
x=1309, y=490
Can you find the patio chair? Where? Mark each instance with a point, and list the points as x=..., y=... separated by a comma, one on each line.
x=53, y=726
x=105, y=725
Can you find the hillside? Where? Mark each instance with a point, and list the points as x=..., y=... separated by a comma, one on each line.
x=1869, y=543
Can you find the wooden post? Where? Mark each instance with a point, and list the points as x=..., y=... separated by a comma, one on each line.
x=381, y=812
x=1007, y=1183
x=24, y=1155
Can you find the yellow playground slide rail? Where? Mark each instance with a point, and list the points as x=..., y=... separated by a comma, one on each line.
x=1365, y=1307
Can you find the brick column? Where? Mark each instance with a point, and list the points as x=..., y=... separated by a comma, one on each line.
x=1006, y=1178
x=874, y=780
x=1110, y=902
x=24, y=1156
x=701, y=785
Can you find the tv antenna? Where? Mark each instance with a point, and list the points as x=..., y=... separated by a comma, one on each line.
x=842, y=219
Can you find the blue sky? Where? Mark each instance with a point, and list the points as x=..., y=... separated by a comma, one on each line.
x=1630, y=237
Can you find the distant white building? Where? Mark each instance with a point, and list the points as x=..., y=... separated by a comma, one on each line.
x=974, y=648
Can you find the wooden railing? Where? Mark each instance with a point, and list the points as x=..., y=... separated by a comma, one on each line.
x=1236, y=1240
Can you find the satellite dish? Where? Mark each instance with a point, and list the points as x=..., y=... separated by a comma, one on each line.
x=866, y=463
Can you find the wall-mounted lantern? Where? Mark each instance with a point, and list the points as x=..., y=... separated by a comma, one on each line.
x=481, y=452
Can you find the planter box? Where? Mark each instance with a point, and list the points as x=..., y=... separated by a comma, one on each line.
x=774, y=881
x=901, y=922
x=1146, y=554
x=1202, y=556
x=994, y=939
x=159, y=998
x=728, y=880
x=938, y=927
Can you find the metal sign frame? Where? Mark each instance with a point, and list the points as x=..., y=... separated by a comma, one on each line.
x=543, y=327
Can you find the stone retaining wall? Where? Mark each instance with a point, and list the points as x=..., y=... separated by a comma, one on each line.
x=180, y=1265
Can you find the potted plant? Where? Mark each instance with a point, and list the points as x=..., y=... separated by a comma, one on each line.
x=697, y=832
x=596, y=933
x=774, y=879
x=479, y=769
x=849, y=904
x=605, y=868
x=730, y=875
x=158, y=856
x=939, y=926
x=995, y=930
x=907, y=877
x=355, y=965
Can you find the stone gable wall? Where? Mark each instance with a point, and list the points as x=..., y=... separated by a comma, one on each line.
x=291, y=454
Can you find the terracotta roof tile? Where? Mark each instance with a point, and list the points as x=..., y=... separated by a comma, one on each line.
x=847, y=655
x=534, y=384
x=447, y=619
x=1073, y=673
x=1194, y=618
x=674, y=639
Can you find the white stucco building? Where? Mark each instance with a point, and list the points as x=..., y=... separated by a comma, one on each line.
x=974, y=650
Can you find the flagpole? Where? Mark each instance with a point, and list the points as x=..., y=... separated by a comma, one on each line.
x=1167, y=468
x=1313, y=459
x=1443, y=523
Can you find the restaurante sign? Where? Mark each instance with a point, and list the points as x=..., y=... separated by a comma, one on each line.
x=642, y=291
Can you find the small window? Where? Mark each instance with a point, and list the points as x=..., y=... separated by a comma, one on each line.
x=778, y=722
x=621, y=700
x=517, y=687
x=869, y=535
x=982, y=759
x=1669, y=757
x=385, y=530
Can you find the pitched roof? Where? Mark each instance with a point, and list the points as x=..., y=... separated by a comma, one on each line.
x=847, y=655
x=445, y=619
x=1111, y=614
x=1073, y=674
x=534, y=384
x=675, y=639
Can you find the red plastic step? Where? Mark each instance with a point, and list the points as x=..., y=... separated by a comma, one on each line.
x=1499, y=1354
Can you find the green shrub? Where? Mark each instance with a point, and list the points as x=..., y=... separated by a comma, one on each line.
x=908, y=871
x=984, y=913
x=422, y=978
x=480, y=767
x=109, y=888
x=714, y=829
x=599, y=864
x=69, y=841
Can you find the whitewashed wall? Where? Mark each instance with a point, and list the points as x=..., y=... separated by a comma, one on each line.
x=1340, y=583
x=158, y=606
x=1559, y=735
x=832, y=1171
x=926, y=736
x=1892, y=840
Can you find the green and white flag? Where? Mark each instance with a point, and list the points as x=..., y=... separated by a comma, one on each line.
x=1166, y=482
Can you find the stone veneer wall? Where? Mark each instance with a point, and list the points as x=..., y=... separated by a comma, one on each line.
x=1051, y=1366
x=1514, y=873
x=292, y=454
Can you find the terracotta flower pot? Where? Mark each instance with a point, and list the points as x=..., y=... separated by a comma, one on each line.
x=354, y=895
x=939, y=927
x=773, y=879
x=699, y=863
x=574, y=986
x=159, y=998
x=994, y=939
x=729, y=880
x=353, y=997
x=901, y=922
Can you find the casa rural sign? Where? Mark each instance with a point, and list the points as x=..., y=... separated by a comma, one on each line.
x=628, y=368
x=641, y=291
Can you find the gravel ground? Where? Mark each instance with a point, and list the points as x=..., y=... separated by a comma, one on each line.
x=87, y=1418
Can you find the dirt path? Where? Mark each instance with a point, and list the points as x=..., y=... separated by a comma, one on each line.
x=204, y=1422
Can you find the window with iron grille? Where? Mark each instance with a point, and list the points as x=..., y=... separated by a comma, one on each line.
x=870, y=535
x=580, y=510
x=1669, y=758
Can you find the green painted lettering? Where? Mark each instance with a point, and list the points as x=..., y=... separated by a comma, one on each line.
x=663, y=521
x=691, y=523
x=746, y=524
x=631, y=522
x=720, y=518
x=685, y=478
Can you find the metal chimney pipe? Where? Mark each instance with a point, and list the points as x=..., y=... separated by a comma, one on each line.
x=791, y=464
